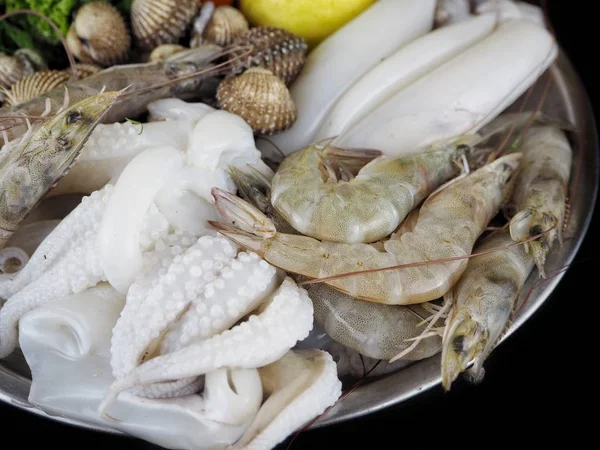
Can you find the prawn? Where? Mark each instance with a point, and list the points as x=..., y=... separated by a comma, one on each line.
x=32, y=165
x=373, y=330
x=448, y=225
x=308, y=195
x=482, y=302
x=541, y=193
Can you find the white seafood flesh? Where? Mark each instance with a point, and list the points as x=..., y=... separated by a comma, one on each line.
x=112, y=146
x=461, y=96
x=286, y=319
x=299, y=384
x=405, y=66
x=67, y=346
x=341, y=59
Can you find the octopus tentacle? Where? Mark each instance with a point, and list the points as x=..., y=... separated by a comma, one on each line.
x=237, y=290
x=158, y=299
x=70, y=275
x=301, y=385
x=71, y=233
x=264, y=338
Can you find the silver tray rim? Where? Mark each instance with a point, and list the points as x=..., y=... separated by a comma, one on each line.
x=423, y=375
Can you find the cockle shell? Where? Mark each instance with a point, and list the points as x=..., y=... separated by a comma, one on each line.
x=226, y=25
x=11, y=70
x=260, y=98
x=275, y=49
x=35, y=84
x=84, y=70
x=99, y=35
x=157, y=22
x=164, y=51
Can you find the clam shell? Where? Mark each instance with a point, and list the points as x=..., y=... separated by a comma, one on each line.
x=99, y=35
x=84, y=70
x=275, y=49
x=35, y=84
x=164, y=51
x=260, y=98
x=157, y=22
x=226, y=26
x=11, y=70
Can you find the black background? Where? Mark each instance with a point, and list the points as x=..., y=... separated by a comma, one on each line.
x=540, y=384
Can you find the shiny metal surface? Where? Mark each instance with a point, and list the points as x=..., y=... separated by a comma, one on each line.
x=567, y=99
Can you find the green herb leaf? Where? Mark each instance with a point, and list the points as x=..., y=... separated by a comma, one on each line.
x=19, y=37
x=135, y=122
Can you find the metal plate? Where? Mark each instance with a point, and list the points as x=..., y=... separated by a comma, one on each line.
x=567, y=99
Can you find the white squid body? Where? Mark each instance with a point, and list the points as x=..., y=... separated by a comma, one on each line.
x=460, y=96
x=405, y=66
x=341, y=59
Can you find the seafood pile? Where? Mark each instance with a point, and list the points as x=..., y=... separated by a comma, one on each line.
x=205, y=291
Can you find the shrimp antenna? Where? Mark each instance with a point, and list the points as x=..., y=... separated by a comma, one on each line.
x=424, y=263
x=54, y=28
x=213, y=69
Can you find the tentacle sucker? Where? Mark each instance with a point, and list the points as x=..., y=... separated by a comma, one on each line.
x=263, y=339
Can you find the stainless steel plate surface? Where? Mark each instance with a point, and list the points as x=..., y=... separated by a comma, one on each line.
x=567, y=99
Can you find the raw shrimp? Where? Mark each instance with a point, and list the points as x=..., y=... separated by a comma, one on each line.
x=373, y=330
x=482, y=302
x=30, y=166
x=152, y=77
x=369, y=207
x=541, y=193
x=449, y=223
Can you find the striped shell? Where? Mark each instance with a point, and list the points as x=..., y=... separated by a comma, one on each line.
x=278, y=50
x=99, y=35
x=157, y=22
x=260, y=98
x=11, y=70
x=35, y=84
x=164, y=51
x=84, y=70
x=226, y=26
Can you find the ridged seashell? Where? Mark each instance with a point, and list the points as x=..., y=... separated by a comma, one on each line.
x=84, y=70
x=99, y=35
x=164, y=51
x=260, y=98
x=275, y=49
x=35, y=84
x=226, y=25
x=11, y=70
x=157, y=22
x=31, y=60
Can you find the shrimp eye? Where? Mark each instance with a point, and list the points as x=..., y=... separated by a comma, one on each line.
x=458, y=344
x=73, y=116
x=535, y=230
x=463, y=148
